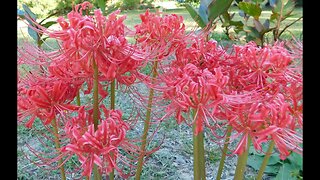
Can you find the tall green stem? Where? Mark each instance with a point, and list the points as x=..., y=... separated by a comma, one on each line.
x=78, y=98
x=224, y=152
x=112, y=106
x=265, y=160
x=199, y=168
x=242, y=162
x=95, y=110
x=57, y=144
x=146, y=123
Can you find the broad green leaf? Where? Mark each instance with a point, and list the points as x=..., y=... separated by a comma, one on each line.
x=255, y=162
x=274, y=159
x=217, y=7
x=48, y=24
x=272, y=3
x=285, y=172
x=102, y=5
x=272, y=169
x=296, y=158
x=236, y=23
x=274, y=16
x=33, y=34
x=258, y=25
x=258, y=1
x=195, y=16
x=20, y=13
x=205, y=3
x=253, y=35
x=266, y=24
x=284, y=7
x=203, y=13
x=241, y=13
x=29, y=13
x=250, y=9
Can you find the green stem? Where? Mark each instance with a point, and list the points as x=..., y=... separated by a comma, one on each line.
x=78, y=98
x=242, y=162
x=112, y=106
x=96, y=173
x=224, y=152
x=265, y=160
x=196, y=161
x=95, y=110
x=146, y=123
x=95, y=96
x=199, y=168
x=57, y=144
x=201, y=155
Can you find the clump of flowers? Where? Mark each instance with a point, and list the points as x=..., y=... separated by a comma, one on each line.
x=253, y=94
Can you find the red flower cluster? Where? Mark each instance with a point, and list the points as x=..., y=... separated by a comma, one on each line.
x=101, y=146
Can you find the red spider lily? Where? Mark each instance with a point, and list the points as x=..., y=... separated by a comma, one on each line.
x=264, y=121
x=190, y=87
x=100, y=147
x=248, y=120
x=160, y=34
x=45, y=100
x=204, y=54
x=286, y=137
x=253, y=67
x=88, y=38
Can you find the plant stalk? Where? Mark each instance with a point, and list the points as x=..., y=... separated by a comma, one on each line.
x=112, y=106
x=242, y=162
x=95, y=110
x=224, y=152
x=57, y=144
x=265, y=160
x=78, y=98
x=199, y=168
x=146, y=123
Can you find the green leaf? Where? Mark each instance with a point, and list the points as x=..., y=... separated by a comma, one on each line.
x=250, y=9
x=272, y=3
x=284, y=7
x=266, y=24
x=272, y=169
x=274, y=16
x=203, y=13
x=20, y=13
x=102, y=5
x=217, y=7
x=253, y=35
x=257, y=1
x=195, y=16
x=274, y=159
x=48, y=24
x=29, y=13
x=258, y=25
x=296, y=159
x=33, y=34
x=285, y=172
x=255, y=162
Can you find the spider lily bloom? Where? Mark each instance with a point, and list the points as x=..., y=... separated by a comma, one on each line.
x=285, y=135
x=202, y=53
x=100, y=147
x=248, y=120
x=160, y=34
x=88, y=38
x=192, y=88
x=255, y=67
x=45, y=100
